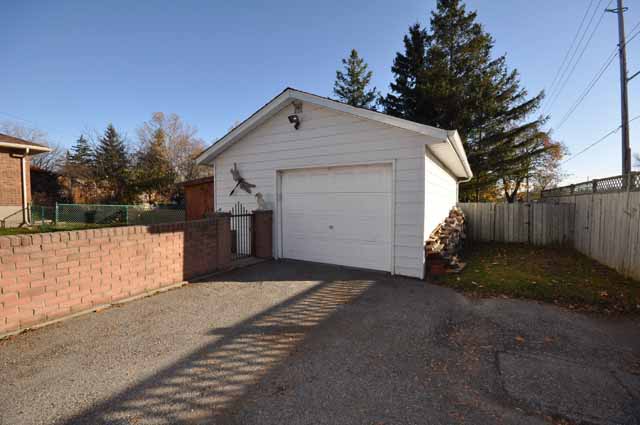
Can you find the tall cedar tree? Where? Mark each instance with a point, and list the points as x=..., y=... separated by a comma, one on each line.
x=448, y=79
x=154, y=174
x=112, y=167
x=351, y=85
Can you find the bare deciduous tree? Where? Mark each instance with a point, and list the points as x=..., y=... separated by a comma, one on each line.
x=183, y=144
x=49, y=161
x=548, y=172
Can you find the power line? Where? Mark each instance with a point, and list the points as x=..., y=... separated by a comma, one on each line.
x=600, y=140
x=631, y=37
x=566, y=55
x=590, y=86
x=34, y=126
x=15, y=117
x=586, y=45
x=596, y=78
x=561, y=81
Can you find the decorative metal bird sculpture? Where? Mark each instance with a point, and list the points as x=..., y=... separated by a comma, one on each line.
x=262, y=205
x=240, y=181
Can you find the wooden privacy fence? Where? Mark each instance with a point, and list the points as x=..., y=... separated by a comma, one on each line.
x=608, y=228
x=535, y=223
x=603, y=226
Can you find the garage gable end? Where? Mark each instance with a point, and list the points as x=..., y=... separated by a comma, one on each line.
x=295, y=109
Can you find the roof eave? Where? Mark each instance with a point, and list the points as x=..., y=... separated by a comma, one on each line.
x=453, y=137
x=38, y=149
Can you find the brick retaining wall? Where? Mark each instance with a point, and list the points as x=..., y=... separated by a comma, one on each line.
x=46, y=276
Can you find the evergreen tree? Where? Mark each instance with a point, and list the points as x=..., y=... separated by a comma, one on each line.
x=448, y=79
x=81, y=152
x=78, y=165
x=155, y=176
x=406, y=100
x=112, y=166
x=351, y=85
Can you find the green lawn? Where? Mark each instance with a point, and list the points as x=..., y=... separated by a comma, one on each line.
x=553, y=274
x=50, y=228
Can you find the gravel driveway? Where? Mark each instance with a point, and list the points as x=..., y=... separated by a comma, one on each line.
x=298, y=343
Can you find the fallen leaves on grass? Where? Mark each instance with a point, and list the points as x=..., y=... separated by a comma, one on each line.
x=557, y=275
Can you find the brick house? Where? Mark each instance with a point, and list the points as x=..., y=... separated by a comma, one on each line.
x=15, y=181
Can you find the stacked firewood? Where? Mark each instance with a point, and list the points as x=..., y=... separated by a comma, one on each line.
x=445, y=242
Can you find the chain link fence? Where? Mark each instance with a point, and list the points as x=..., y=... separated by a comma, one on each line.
x=64, y=215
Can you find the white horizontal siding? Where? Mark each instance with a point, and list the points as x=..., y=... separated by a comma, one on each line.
x=440, y=194
x=327, y=137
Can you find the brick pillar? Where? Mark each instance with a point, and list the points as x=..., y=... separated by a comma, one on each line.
x=223, y=236
x=263, y=234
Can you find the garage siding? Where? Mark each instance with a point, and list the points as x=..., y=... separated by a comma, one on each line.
x=440, y=194
x=327, y=137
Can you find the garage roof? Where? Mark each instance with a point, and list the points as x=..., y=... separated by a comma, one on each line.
x=446, y=145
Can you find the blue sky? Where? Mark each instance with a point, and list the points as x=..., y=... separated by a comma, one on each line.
x=69, y=66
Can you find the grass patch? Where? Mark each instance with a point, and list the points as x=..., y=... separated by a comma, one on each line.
x=557, y=275
x=46, y=228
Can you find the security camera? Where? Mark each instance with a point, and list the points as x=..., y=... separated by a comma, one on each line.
x=295, y=120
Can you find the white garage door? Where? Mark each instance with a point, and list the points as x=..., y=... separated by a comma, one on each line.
x=338, y=215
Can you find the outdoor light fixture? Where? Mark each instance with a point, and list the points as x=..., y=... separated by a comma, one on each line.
x=295, y=120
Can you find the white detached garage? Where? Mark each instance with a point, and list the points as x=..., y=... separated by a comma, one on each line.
x=348, y=186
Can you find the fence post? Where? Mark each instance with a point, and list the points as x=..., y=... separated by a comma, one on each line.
x=262, y=229
x=55, y=220
x=493, y=235
x=222, y=222
x=126, y=214
x=529, y=219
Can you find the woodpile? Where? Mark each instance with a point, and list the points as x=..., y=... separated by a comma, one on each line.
x=445, y=242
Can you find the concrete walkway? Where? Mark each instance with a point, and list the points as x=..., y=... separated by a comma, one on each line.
x=298, y=343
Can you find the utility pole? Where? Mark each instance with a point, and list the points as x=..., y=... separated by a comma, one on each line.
x=624, y=97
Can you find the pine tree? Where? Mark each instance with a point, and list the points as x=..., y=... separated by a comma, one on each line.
x=447, y=78
x=112, y=166
x=351, y=85
x=409, y=70
x=155, y=176
x=78, y=164
x=81, y=152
